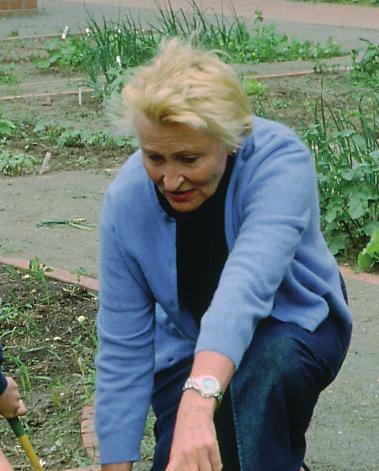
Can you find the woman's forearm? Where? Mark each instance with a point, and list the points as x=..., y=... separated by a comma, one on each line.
x=214, y=364
x=195, y=438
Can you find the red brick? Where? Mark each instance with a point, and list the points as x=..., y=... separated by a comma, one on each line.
x=4, y=4
x=15, y=4
x=30, y=4
x=87, y=431
x=17, y=7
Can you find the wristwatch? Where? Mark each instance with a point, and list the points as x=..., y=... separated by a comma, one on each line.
x=207, y=386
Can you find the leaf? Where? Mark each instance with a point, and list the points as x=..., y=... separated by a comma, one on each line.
x=372, y=247
x=337, y=244
x=42, y=64
x=365, y=262
x=357, y=208
x=348, y=174
x=330, y=215
x=371, y=227
x=360, y=142
x=346, y=132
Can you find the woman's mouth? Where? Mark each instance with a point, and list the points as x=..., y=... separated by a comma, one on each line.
x=179, y=196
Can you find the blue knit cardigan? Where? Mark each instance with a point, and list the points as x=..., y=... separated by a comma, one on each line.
x=278, y=265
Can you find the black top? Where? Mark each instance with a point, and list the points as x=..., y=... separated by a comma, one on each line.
x=201, y=248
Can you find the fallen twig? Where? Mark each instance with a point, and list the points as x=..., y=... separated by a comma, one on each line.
x=78, y=223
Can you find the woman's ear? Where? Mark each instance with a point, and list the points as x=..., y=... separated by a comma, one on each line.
x=231, y=150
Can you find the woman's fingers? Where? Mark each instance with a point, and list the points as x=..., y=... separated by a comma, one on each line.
x=21, y=408
x=11, y=404
x=215, y=458
x=205, y=458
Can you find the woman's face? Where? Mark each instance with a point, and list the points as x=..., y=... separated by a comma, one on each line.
x=186, y=164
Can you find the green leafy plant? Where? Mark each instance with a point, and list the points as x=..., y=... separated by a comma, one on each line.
x=86, y=137
x=109, y=49
x=62, y=53
x=346, y=152
x=254, y=87
x=7, y=76
x=366, y=65
x=112, y=47
x=368, y=258
x=236, y=40
x=7, y=127
x=15, y=164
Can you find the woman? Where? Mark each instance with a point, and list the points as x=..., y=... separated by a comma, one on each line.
x=11, y=405
x=215, y=279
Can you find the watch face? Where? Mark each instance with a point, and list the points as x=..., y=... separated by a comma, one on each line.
x=209, y=385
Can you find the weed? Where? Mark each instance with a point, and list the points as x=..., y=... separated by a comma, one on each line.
x=37, y=274
x=66, y=54
x=7, y=77
x=6, y=127
x=253, y=87
x=14, y=33
x=85, y=137
x=15, y=164
x=23, y=373
x=79, y=272
x=366, y=65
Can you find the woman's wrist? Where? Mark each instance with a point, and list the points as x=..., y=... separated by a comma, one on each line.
x=194, y=404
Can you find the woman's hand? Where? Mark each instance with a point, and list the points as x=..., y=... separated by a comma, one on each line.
x=194, y=446
x=11, y=404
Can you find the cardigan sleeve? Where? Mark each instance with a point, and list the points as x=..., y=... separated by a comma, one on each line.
x=125, y=357
x=276, y=194
x=3, y=380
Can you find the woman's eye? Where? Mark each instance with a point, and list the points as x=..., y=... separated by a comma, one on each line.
x=189, y=160
x=155, y=159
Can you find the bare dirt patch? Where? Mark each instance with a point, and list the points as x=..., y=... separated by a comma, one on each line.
x=48, y=332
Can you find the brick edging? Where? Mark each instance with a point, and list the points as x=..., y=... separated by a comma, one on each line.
x=370, y=278
x=65, y=276
x=58, y=274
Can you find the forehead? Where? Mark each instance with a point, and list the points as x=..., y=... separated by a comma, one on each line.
x=173, y=136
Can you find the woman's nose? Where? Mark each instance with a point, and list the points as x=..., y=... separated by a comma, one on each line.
x=172, y=180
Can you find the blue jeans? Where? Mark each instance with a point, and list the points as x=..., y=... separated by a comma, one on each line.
x=264, y=415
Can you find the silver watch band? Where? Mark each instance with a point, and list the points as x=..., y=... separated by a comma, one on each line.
x=206, y=386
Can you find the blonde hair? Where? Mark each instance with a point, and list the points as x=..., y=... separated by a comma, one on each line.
x=189, y=86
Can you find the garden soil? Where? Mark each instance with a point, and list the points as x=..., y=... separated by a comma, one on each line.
x=344, y=432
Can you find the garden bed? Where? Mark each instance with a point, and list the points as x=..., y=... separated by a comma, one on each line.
x=49, y=340
x=48, y=332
